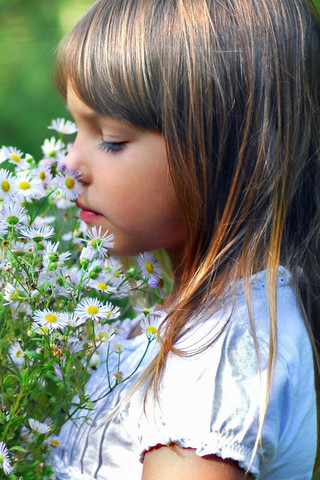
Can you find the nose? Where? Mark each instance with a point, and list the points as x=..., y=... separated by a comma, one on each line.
x=75, y=159
x=72, y=160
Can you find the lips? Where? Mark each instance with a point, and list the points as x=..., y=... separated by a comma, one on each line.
x=87, y=215
x=85, y=208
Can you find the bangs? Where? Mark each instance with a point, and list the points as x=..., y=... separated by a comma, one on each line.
x=110, y=61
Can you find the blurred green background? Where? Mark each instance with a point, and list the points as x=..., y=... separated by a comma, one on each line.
x=30, y=31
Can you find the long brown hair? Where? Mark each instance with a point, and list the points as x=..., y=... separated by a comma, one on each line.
x=234, y=88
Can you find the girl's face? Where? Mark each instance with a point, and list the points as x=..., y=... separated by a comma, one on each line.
x=127, y=188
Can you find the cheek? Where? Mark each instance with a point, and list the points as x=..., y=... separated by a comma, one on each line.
x=140, y=202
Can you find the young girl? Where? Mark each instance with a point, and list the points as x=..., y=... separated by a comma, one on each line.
x=199, y=132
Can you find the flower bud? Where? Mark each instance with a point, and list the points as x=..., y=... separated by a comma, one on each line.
x=93, y=275
x=84, y=262
x=53, y=257
x=53, y=266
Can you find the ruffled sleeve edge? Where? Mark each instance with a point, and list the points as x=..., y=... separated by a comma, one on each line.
x=217, y=446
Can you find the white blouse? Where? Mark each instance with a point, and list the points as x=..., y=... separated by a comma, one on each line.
x=209, y=401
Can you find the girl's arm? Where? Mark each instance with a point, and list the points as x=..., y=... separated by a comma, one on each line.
x=166, y=463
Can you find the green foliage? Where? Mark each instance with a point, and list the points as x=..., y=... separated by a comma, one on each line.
x=30, y=31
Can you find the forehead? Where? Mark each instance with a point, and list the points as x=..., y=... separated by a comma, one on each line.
x=76, y=106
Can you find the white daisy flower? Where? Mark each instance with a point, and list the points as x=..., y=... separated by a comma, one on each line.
x=53, y=149
x=146, y=310
x=11, y=294
x=101, y=285
x=150, y=325
x=37, y=234
x=49, y=319
x=26, y=435
x=93, y=309
x=103, y=333
x=19, y=246
x=5, y=462
x=75, y=344
x=87, y=255
x=121, y=286
x=118, y=344
x=69, y=183
x=13, y=214
x=112, y=312
x=100, y=242
x=149, y=266
x=28, y=187
x=94, y=361
x=40, y=221
x=43, y=173
x=16, y=353
x=52, y=442
x=113, y=265
x=60, y=201
x=14, y=155
x=49, y=422
x=74, y=320
x=52, y=256
x=61, y=125
x=7, y=185
x=39, y=427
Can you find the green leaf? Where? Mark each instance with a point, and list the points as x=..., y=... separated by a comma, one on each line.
x=19, y=449
x=10, y=379
x=35, y=355
x=25, y=376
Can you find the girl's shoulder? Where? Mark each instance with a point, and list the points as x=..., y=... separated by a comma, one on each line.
x=211, y=395
x=250, y=324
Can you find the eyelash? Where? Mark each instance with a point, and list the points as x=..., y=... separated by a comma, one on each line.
x=112, y=147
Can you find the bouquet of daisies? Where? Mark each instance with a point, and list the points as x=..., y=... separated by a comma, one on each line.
x=62, y=299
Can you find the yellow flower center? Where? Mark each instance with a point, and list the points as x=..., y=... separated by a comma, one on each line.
x=42, y=175
x=54, y=442
x=24, y=185
x=149, y=267
x=15, y=157
x=151, y=330
x=5, y=185
x=44, y=330
x=51, y=318
x=103, y=335
x=102, y=286
x=19, y=353
x=70, y=183
x=92, y=310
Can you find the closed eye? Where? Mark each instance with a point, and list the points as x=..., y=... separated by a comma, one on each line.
x=112, y=147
